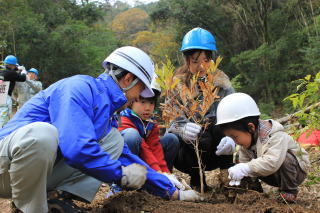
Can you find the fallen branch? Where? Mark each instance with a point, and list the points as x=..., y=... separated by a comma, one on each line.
x=287, y=118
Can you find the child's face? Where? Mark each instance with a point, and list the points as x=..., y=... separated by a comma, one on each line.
x=241, y=138
x=198, y=63
x=144, y=108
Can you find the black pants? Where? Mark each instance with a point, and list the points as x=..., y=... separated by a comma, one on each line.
x=186, y=160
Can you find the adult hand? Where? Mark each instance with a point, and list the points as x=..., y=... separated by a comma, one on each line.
x=237, y=172
x=175, y=181
x=190, y=131
x=226, y=146
x=189, y=195
x=133, y=176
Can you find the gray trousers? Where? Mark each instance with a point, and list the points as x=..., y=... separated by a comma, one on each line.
x=288, y=177
x=28, y=170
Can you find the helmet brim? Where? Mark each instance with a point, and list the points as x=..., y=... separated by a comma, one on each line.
x=197, y=47
x=147, y=93
x=33, y=72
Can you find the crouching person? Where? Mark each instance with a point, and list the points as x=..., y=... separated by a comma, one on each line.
x=64, y=139
x=267, y=152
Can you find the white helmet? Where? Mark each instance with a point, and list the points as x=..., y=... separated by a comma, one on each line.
x=155, y=86
x=235, y=107
x=135, y=61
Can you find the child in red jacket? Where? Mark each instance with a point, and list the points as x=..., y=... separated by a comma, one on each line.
x=142, y=134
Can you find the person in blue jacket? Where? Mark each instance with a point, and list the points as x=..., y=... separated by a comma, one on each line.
x=65, y=139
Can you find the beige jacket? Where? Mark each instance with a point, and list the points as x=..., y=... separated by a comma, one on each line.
x=266, y=157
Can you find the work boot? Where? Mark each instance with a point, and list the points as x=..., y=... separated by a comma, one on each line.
x=63, y=206
x=62, y=202
x=65, y=195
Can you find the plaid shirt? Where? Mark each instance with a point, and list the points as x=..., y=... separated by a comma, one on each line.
x=264, y=130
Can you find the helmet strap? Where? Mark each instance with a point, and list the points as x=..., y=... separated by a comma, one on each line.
x=133, y=83
x=114, y=72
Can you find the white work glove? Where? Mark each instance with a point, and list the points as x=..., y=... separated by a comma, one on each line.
x=189, y=195
x=190, y=131
x=226, y=146
x=234, y=182
x=23, y=70
x=237, y=172
x=133, y=176
x=175, y=181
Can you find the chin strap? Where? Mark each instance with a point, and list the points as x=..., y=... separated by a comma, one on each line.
x=114, y=71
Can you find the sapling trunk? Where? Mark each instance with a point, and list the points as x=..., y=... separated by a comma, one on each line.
x=196, y=147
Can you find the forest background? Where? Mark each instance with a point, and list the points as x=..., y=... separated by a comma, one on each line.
x=265, y=44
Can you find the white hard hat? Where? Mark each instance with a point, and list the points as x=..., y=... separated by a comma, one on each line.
x=235, y=107
x=135, y=61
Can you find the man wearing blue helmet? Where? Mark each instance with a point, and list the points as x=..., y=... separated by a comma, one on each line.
x=26, y=90
x=9, y=73
x=198, y=48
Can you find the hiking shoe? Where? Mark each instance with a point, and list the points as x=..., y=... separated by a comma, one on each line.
x=63, y=206
x=58, y=194
x=62, y=202
x=285, y=197
x=114, y=189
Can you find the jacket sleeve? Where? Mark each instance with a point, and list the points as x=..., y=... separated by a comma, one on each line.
x=125, y=123
x=78, y=140
x=272, y=157
x=152, y=151
x=14, y=76
x=35, y=85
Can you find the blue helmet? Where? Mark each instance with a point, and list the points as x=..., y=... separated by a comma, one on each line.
x=11, y=59
x=35, y=71
x=198, y=38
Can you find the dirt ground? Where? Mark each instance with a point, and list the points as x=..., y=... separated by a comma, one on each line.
x=246, y=201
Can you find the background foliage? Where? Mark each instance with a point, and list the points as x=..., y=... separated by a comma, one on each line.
x=265, y=44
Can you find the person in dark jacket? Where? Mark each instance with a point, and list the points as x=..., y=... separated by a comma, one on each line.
x=9, y=73
x=198, y=47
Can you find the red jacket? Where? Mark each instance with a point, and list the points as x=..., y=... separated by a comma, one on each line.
x=151, y=150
